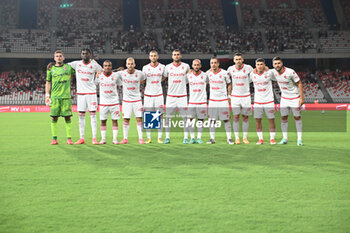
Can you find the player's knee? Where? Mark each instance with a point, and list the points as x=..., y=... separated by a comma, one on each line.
x=92, y=113
x=54, y=119
x=284, y=118
x=67, y=119
x=297, y=118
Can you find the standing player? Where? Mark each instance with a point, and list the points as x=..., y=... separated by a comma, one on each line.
x=176, y=72
x=153, y=96
x=292, y=97
x=263, y=100
x=86, y=70
x=59, y=77
x=240, y=95
x=220, y=85
x=132, y=103
x=109, y=100
x=197, y=105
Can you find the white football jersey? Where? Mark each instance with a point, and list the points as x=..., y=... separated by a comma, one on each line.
x=108, y=89
x=131, y=84
x=154, y=75
x=286, y=82
x=240, y=80
x=85, y=74
x=218, y=84
x=177, y=79
x=262, y=87
x=198, y=87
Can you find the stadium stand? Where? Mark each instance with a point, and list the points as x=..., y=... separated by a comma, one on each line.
x=335, y=41
x=337, y=85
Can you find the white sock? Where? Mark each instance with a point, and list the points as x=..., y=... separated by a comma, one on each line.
x=103, y=132
x=160, y=132
x=139, y=129
x=284, y=128
x=260, y=134
x=236, y=127
x=126, y=126
x=199, y=132
x=115, y=133
x=148, y=132
x=228, y=129
x=185, y=128
x=272, y=133
x=245, y=126
x=192, y=130
x=299, y=126
x=93, y=124
x=167, y=129
x=212, y=130
x=82, y=125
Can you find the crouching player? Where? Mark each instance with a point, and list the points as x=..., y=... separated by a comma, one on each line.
x=109, y=100
x=59, y=78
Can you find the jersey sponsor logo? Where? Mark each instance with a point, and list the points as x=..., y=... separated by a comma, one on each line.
x=93, y=103
x=197, y=90
x=107, y=84
x=154, y=75
x=196, y=83
x=108, y=92
x=239, y=84
x=131, y=88
x=215, y=88
x=85, y=72
x=154, y=82
x=283, y=82
x=213, y=81
x=177, y=81
x=85, y=79
x=173, y=74
x=284, y=88
x=61, y=82
x=130, y=81
x=261, y=83
x=262, y=90
x=239, y=77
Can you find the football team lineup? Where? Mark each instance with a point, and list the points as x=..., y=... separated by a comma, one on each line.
x=229, y=91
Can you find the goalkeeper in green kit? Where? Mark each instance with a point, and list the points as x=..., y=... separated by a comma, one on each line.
x=58, y=82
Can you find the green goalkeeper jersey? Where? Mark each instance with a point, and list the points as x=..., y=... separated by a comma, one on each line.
x=60, y=77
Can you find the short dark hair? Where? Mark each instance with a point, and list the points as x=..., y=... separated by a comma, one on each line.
x=277, y=58
x=108, y=61
x=215, y=59
x=87, y=50
x=238, y=54
x=177, y=50
x=260, y=60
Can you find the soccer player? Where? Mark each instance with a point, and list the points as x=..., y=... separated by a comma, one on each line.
x=132, y=103
x=86, y=70
x=292, y=97
x=220, y=85
x=240, y=96
x=197, y=105
x=59, y=78
x=263, y=99
x=176, y=72
x=153, y=96
x=109, y=100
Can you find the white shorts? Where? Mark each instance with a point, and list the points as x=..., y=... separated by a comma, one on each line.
x=114, y=110
x=199, y=110
x=269, y=110
x=219, y=110
x=176, y=102
x=290, y=105
x=132, y=107
x=87, y=102
x=153, y=103
x=241, y=105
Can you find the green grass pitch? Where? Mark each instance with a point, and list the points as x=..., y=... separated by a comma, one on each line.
x=170, y=188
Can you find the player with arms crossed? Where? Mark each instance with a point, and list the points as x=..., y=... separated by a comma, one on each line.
x=86, y=70
x=58, y=78
x=109, y=100
x=197, y=105
x=240, y=95
x=132, y=103
x=220, y=85
x=292, y=97
x=153, y=96
x=263, y=99
x=176, y=72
